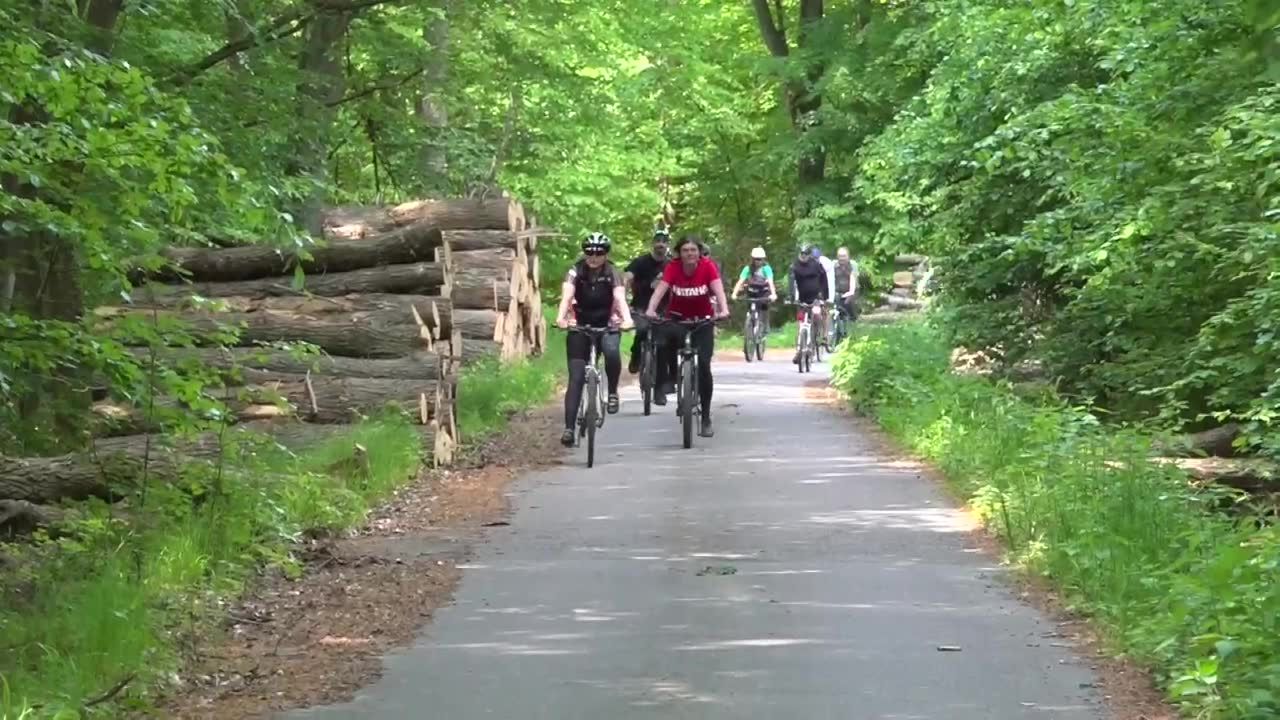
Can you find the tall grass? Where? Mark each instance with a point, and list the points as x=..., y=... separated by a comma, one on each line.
x=116, y=598
x=495, y=390
x=1178, y=584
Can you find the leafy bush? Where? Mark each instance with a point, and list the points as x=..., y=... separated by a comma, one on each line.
x=1176, y=583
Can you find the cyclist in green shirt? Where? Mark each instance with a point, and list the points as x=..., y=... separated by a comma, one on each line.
x=757, y=279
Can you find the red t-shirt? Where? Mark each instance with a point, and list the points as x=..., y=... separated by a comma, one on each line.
x=690, y=294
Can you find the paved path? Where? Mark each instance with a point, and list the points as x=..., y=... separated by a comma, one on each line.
x=780, y=570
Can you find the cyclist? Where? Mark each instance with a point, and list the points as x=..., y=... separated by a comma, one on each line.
x=829, y=268
x=594, y=291
x=693, y=282
x=808, y=285
x=846, y=284
x=641, y=276
x=757, y=278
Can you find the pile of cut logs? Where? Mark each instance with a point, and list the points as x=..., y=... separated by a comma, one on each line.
x=911, y=278
x=395, y=298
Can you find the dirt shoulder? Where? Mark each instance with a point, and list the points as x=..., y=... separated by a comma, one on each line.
x=319, y=638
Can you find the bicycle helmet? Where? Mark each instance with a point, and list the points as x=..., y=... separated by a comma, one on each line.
x=662, y=234
x=758, y=253
x=597, y=242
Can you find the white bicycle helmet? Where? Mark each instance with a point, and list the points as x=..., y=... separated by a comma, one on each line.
x=757, y=253
x=597, y=241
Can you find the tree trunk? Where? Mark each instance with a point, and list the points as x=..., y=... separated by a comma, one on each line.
x=409, y=244
x=497, y=262
x=323, y=85
x=802, y=97
x=476, y=324
x=477, y=289
x=431, y=108
x=422, y=365
x=378, y=334
x=118, y=462
x=339, y=400
x=473, y=350
x=19, y=517
x=413, y=279
x=468, y=240
x=491, y=213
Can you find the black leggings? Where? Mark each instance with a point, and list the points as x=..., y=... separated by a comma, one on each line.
x=578, y=347
x=704, y=341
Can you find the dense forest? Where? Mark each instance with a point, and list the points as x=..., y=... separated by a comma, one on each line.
x=1097, y=184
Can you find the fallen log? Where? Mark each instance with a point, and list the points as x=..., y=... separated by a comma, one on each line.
x=899, y=303
x=497, y=262
x=471, y=289
x=498, y=213
x=422, y=365
x=19, y=517
x=375, y=334
x=114, y=462
x=1254, y=475
x=341, y=400
x=1214, y=442
x=476, y=324
x=904, y=280
x=475, y=350
x=909, y=259
x=410, y=244
x=424, y=278
x=468, y=240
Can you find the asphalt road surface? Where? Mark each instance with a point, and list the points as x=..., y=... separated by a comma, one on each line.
x=784, y=569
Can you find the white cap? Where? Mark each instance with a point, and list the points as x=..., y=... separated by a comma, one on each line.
x=757, y=253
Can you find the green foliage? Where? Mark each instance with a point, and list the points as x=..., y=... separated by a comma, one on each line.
x=1177, y=583
x=120, y=592
x=1095, y=183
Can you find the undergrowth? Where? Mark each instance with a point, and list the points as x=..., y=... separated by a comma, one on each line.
x=119, y=597
x=1179, y=585
x=495, y=390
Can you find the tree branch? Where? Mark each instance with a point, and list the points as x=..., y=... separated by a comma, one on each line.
x=377, y=87
x=774, y=39
x=290, y=23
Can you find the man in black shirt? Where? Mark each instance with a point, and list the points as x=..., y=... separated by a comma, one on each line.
x=641, y=276
x=808, y=285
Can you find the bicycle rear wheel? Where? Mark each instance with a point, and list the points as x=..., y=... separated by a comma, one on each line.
x=802, y=350
x=688, y=399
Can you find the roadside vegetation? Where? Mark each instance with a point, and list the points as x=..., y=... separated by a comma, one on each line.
x=1180, y=577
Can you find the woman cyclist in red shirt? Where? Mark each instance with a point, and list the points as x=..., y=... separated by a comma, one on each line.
x=692, y=282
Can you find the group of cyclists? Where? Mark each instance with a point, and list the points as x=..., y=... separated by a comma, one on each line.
x=685, y=284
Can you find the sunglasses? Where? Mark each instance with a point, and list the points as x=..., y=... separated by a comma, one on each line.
x=596, y=253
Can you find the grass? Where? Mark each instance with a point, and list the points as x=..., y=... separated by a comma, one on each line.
x=494, y=390
x=1181, y=586
x=116, y=599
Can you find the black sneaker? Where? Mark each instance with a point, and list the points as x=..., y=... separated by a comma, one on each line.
x=566, y=438
x=659, y=398
x=796, y=360
x=633, y=367
x=612, y=407
x=706, y=431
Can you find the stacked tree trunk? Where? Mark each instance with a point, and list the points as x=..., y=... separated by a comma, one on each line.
x=391, y=298
x=911, y=280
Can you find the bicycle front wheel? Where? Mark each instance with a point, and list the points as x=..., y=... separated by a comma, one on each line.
x=646, y=377
x=688, y=400
x=593, y=409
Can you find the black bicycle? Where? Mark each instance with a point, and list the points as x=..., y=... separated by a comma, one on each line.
x=839, y=329
x=688, y=405
x=753, y=331
x=648, y=363
x=591, y=411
